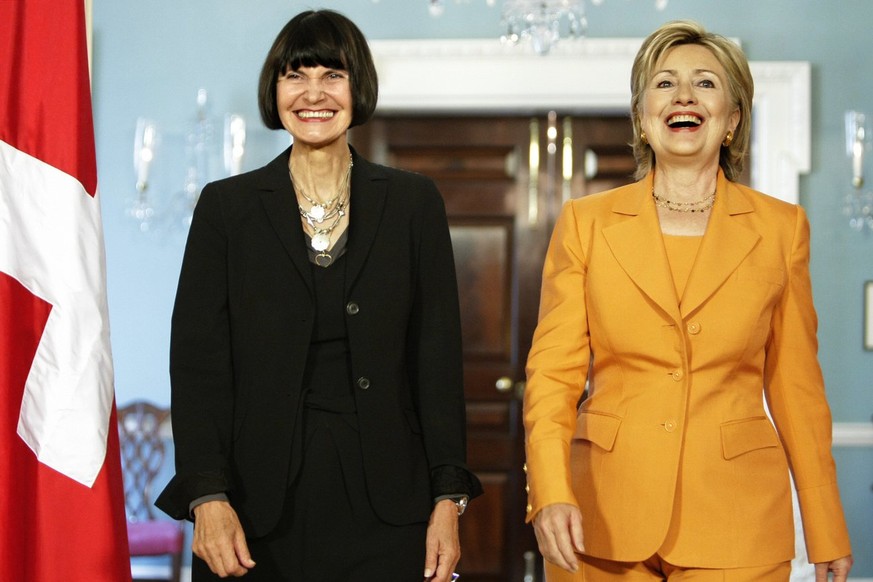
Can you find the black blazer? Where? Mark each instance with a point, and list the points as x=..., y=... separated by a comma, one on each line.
x=241, y=331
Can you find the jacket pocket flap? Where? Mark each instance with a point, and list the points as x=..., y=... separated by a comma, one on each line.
x=600, y=429
x=748, y=434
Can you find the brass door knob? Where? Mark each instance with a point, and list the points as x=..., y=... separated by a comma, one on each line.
x=504, y=384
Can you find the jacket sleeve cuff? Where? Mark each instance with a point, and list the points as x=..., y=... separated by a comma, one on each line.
x=824, y=525
x=176, y=498
x=548, y=476
x=453, y=481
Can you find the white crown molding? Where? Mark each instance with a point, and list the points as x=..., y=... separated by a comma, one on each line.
x=587, y=76
x=487, y=75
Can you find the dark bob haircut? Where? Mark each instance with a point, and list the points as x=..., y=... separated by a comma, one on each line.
x=320, y=38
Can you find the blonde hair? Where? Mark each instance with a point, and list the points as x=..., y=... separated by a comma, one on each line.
x=740, y=85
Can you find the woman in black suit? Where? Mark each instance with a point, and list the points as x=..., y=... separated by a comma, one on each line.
x=317, y=398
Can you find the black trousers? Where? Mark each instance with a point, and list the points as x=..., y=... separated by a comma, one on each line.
x=328, y=531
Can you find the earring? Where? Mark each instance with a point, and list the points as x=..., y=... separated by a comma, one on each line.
x=728, y=139
x=643, y=138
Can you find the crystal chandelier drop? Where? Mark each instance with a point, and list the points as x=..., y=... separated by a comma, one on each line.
x=542, y=23
x=437, y=7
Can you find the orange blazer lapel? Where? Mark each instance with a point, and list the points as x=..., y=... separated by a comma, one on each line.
x=725, y=245
x=638, y=246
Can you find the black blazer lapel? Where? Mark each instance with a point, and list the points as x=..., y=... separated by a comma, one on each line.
x=369, y=190
x=275, y=189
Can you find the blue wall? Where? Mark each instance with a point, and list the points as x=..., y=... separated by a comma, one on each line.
x=151, y=56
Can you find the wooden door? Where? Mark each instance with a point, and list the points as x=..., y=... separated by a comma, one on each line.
x=503, y=180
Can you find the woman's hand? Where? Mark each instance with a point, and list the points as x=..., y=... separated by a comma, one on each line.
x=219, y=539
x=840, y=567
x=558, y=528
x=443, y=549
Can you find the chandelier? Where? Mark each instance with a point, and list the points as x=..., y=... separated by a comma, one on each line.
x=542, y=23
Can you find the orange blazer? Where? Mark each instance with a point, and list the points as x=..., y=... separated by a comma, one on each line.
x=673, y=451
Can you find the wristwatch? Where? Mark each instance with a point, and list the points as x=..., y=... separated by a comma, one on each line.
x=461, y=504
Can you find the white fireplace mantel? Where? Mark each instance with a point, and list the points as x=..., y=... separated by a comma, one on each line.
x=587, y=76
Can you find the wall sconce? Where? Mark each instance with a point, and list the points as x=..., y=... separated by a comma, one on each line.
x=234, y=143
x=858, y=205
x=202, y=158
x=144, y=145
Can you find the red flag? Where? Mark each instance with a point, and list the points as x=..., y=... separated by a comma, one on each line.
x=61, y=499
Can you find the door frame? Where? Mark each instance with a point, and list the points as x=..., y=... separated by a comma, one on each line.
x=584, y=76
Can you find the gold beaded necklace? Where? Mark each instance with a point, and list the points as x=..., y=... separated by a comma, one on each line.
x=696, y=206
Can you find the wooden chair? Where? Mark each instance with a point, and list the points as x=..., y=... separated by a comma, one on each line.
x=142, y=456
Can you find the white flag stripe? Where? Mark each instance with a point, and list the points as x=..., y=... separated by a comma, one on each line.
x=51, y=242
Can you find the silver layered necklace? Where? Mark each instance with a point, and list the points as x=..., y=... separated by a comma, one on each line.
x=324, y=217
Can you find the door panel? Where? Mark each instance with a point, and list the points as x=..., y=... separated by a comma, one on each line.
x=482, y=253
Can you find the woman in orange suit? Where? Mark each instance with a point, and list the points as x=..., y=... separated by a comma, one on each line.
x=684, y=301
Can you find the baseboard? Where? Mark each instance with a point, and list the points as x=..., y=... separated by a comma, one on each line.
x=162, y=572
x=853, y=434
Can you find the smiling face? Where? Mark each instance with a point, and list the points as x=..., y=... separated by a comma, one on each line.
x=687, y=109
x=315, y=104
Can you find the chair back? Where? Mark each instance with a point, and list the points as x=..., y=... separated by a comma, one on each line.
x=142, y=455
